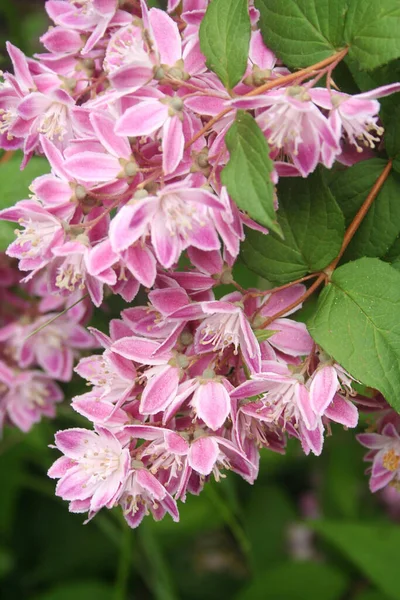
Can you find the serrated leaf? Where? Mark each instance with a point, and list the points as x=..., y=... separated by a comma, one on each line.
x=302, y=32
x=247, y=175
x=224, y=39
x=373, y=548
x=297, y=581
x=358, y=323
x=14, y=186
x=372, y=32
x=381, y=225
x=313, y=229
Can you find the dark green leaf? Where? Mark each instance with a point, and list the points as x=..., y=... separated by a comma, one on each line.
x=224, y=39
x=313, y=229
x=373, y=548
x=297, y=581
x=302, y=32
x=248, y=172
x=358, y=323
x=372, y=31
x=79, y=591
x=381, y=226
x=392, y=137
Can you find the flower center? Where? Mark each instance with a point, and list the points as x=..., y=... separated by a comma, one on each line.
x=221, y=331
x=391, y=460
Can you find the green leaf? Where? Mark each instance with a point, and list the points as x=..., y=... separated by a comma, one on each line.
x=313, y=229
x=297, y=581
x=224, y=39
x=79, y=591
x=14, y=186
x=268, y=500
x=381, y=225
x=372, y=31
x=248, y=172
x=392, y=137
x=302, y=32
x=373, y=548
x=358, y=323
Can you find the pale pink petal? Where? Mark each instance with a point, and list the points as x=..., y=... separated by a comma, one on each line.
x=142, y=264
x=143, y=119
x=323, y=388
x=104, y=129
x=140, y=350
x=212, y=404
x=302, y=396
x=292, y=338
x=203, y=454
x=172, y=144
x=160, y=391
x=166, y=36
x=342, y=411
x=131, y=222
x=93, y=166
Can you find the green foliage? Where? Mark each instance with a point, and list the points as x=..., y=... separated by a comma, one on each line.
x=297, y=581
x=302, y=32
x=358, y=323
x=312, y=226
x=224, y=39
x=248, y=172
x=381, y=225
x=372, y=31
x=362, y=543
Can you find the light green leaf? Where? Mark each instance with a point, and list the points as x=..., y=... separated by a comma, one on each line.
x=297, y=581
x=302, y=32
x=313, y=229
x=248, y=172
x=358, y=323
x=372, y=31
x=14, y=186
x=373, y=548
x=224, y=39
x=381, y=225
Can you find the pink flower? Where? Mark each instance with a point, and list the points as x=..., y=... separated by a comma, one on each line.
x=384, y=455
x=26, y=396
x=355, y=116
x=294, y=127
x=93, y=470
x=143, y=493
x=176, y=218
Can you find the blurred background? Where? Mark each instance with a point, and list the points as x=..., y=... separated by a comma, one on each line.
x=308, y=529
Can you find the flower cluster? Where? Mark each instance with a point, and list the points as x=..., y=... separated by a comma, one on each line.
x=189, y=387
x=32, y=357
x=132, y=123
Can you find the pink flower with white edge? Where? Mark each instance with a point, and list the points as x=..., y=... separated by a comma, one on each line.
x=42, y=233
x=143, y=493
x=26, y=396
x=148, y=117
x=223, y=324
x=384, y=455
x=294, y=127
x=177, y=217
x=355, y=116
x=94, y=16
x=298, y=407
x=93, y=471
x=111, y=375
x=69, y=270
